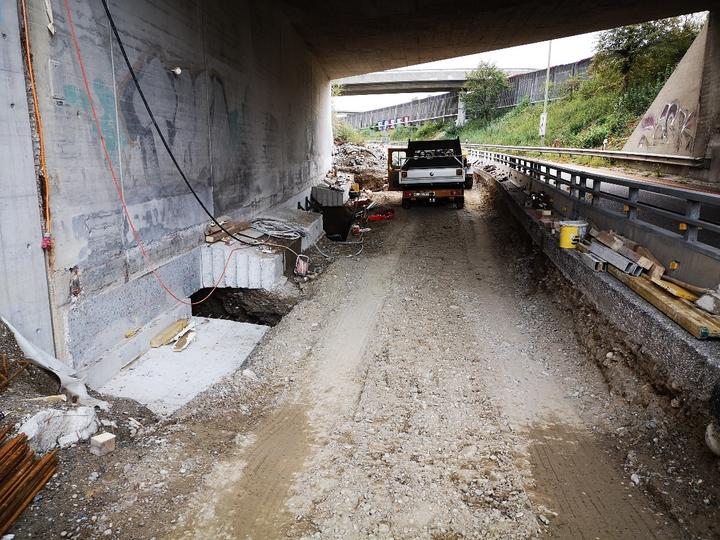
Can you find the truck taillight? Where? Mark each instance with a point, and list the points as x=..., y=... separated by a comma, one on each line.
x=458, y=172
x=404, y=174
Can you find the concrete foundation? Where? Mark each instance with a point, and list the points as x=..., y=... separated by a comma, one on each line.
x=684, y=118
x=165, y=380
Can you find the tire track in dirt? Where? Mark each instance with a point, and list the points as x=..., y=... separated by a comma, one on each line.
x=253, y=506
x=572, y=473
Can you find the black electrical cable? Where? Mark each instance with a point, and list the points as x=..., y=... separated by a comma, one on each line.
x=157, y=128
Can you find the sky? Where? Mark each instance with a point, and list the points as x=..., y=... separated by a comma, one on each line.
x=532, y=56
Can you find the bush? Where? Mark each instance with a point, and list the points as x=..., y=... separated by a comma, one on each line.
x=630, y=68
x=483, y=89
x=344, y=132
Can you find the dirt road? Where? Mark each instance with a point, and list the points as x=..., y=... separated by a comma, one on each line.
x=425, y=407
x=432, y=387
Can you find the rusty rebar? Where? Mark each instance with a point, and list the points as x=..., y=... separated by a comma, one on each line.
x=21, y=477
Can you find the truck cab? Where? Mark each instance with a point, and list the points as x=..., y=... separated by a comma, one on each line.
x=429, y=171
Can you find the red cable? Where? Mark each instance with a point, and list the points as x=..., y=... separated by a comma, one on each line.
x=116, y=182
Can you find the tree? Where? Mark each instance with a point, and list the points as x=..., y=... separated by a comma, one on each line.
x=639, y=54
x=483, y=89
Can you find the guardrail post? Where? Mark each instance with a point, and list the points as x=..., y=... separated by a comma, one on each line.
x=633, y=199
x=574, y=195
x=595, y=191
x=692, y=211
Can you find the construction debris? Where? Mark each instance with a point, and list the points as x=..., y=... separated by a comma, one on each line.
x=54, y=427
x=366, y=163
x=169, y=334
x=67, y=377
x=21, y=477
x=710, y=301
x=215, y=233
x=182, y=342
x=57, y=398
x=699, y=323
x=10, y=369
x=102, y=444
x=616, y=259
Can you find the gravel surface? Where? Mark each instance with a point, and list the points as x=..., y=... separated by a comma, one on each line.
x=433, y=386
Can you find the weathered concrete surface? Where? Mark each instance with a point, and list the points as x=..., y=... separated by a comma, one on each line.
x=164, y=380
x=410, y=80
x=686, y=365
x=248, y=119
x=670, y=124
x=684, y=119
x=23, y=280
x=351, y=38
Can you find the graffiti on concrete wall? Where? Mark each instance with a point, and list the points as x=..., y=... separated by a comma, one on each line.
x=674, y=127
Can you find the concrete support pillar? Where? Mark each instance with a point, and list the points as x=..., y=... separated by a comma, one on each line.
x=460, y=121
x=709, y=116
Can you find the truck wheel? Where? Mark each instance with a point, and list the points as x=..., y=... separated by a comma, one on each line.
x=468, y=182
x=406, y=203
x=459, y=203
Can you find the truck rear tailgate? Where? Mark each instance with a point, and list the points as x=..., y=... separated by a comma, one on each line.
x=438, y=175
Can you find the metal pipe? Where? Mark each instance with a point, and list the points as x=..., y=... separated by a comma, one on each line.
x=666, y=159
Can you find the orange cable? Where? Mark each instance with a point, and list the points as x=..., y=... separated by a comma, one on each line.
x=38, y=119
x=116, y=182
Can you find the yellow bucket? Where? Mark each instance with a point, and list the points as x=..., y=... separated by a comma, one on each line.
x=569, y=235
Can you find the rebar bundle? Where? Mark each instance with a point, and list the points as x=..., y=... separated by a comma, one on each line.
x=22, y=476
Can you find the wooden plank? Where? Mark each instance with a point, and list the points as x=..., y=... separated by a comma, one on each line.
x=213, y=228
x=674, y=289
x=232, y=228
x=658, y=270
x=700, y=324
x=164, y=337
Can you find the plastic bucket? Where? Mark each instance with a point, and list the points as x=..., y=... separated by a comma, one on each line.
x=571, y=232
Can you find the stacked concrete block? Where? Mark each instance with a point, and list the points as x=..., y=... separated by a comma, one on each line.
x=327, y=196
x=311, y=223
x=248, y=267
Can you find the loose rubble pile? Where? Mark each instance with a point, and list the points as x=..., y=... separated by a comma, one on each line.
x=367, y=163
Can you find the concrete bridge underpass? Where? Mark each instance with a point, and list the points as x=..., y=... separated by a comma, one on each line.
x=428, y=386
x=241, y=91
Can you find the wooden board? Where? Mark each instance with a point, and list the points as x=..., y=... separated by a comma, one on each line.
x=700, y=324
x=232, y=228
x=164, y=337
x=674, y=289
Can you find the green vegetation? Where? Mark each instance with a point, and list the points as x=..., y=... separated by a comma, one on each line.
x=630, y=66
x=483, y=89
x=344, y=132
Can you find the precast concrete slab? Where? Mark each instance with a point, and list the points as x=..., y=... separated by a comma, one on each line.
x=310, y=222
x=240, y=266
x=165, y=380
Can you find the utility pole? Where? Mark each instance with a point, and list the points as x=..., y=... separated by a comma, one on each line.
x=543, y=117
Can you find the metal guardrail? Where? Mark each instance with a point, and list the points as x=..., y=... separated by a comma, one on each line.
x=676, y=213
x=664, y=159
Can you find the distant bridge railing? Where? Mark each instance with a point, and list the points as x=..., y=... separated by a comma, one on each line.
x=664, y=159
x=674, y=222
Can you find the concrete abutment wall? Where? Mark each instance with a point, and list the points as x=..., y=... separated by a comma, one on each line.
x=248, y=119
